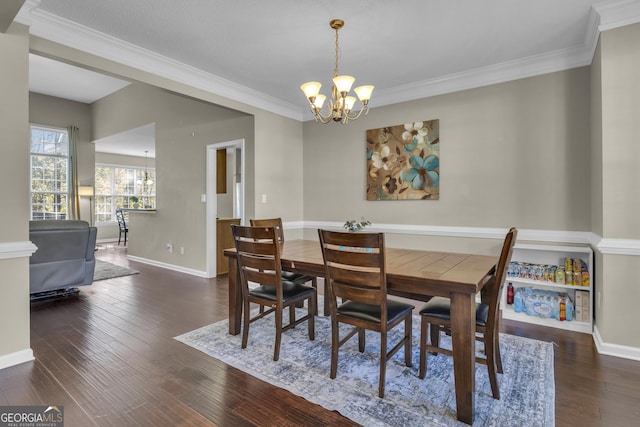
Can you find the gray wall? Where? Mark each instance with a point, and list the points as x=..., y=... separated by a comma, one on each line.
x=619, y=292
x=184, y=127
x=14, y=191
x=515, y=153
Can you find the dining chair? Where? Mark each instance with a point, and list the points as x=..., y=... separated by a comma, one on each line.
x=355, y=271
x=436, y=318
x=122, y=225
x=287, y=275
x=258, y=255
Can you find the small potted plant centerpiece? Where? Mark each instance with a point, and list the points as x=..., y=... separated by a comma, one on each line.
x=353, y=225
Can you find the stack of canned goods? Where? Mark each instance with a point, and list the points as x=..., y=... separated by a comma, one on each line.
x=571, y=271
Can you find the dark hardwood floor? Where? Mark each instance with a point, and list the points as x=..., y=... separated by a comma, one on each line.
x=109, y=357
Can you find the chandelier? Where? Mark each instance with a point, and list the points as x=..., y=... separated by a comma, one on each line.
x=147, y=176
x=341, y=103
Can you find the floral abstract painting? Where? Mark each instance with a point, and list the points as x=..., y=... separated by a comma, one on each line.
x=403, y=162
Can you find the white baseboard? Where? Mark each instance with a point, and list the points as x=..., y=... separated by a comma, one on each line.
x=617, y=350
x=16, y=358
x=198, y=273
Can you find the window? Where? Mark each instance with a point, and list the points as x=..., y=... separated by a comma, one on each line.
x=120, y=187
x=49, y=173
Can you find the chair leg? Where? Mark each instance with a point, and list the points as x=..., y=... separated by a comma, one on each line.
x=361, y=340
x=407, y=342
x=292, y=315
x=383, y=363
x=119, y=237
x=335, y=342
x=434, y=332
x=423, y=347
x=245, y=326
x=276, y=349
x=497, y=353
x=312, y=311
x=489, y=348
x=314, y=283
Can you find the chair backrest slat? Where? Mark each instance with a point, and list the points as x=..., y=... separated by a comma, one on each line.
x=355, y=266
x=270, y=222
x=258, y=255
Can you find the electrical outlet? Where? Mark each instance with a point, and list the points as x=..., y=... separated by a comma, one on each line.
x=181, y=250
x=599, y=299
x=170, y=248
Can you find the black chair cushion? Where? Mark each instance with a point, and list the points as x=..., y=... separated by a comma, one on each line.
x=440, y=308
x=296, y=277
x=372, y=313
x=289, y=290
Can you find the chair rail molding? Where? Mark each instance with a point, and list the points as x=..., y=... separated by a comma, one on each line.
x=551, y=236
x=618, y=246
x=16, y=249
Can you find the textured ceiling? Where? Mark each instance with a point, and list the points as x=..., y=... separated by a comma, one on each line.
x=259, y=52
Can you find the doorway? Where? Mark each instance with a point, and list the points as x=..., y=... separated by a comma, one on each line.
x=237, y=186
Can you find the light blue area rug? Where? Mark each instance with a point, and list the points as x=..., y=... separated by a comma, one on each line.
x=527, y=386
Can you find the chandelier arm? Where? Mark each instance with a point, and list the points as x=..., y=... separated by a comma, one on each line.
x=319, y=117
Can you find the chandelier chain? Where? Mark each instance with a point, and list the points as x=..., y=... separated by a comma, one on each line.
x=335, y=70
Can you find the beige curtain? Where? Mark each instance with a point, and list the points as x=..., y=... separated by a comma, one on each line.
x=74, y=198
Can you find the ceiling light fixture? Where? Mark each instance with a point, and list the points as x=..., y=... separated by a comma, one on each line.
x=341, y=103
x=147, y=178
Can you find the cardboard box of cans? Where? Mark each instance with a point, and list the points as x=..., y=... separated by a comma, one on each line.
x=570, y=271
x=582, y=306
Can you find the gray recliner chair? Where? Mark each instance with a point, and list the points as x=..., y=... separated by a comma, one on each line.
x=65, y=257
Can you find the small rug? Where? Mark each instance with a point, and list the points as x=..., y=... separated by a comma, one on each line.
x=106, y=270
x=527, y=386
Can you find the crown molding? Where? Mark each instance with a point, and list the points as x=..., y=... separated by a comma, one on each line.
x=559, y=60
x=617, y=13
x=603, y=16
x=68, y=33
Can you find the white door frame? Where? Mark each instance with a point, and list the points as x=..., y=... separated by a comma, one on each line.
x=212, y=200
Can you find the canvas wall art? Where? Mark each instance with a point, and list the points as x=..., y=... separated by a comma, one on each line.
x=403, y=162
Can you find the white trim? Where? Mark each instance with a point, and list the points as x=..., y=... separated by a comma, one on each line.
x=68, y=33
x=552, y=236
x=617, y=14
x=16, y=249
x=559, y=60
x=616, y=350
x=619, y=246
x=198, y=273
x=16, y=358
x=603, y=245
x=212, y=200
x=604, y=16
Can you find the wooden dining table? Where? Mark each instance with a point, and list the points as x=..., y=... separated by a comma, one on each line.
x=414, y=274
